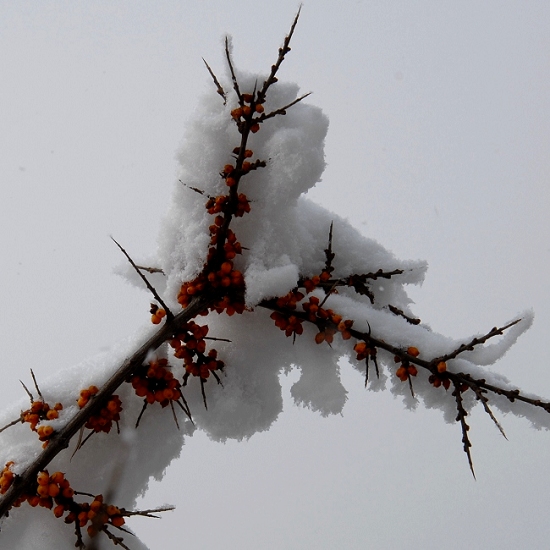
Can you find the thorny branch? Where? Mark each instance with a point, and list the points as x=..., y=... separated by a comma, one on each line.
x=209, y=294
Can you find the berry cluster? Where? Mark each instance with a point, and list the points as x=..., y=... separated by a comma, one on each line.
x=244, y=114
x=406, y=370
x=191, y=347
x=6, y=477
x=56, y=489
x=287, y=321
x=50, y=489
x=328, y=321
x=103, y=421
x=98, y=514
x=40, y=411
x=364, y=351
x=157, y=384
x=157, y=314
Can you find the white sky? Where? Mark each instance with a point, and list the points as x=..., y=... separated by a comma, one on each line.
x=438, y=147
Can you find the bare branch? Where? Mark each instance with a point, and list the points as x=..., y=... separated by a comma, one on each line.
x=283, y=50
x=36, y=386
x=219, y=87
x=232, y=70
x=461, y=417
x=169, y=314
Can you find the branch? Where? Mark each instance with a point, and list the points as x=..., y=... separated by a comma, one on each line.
x=61, y=439
x=169, y=314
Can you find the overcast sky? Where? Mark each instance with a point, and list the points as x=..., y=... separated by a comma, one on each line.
x=438, y=147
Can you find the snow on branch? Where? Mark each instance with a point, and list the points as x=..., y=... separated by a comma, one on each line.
x=240, y=249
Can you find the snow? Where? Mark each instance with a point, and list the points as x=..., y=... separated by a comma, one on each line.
x=285, y=236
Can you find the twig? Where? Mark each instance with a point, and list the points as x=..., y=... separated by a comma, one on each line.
x=400, y=313
x=148, y=513
x=169, y=314
x=232, y=70
x=12, y=423
x=281, y=110
x=461, y=417
x=283, y=50
x=36, y=386
x=116, y=540
x=150, y=269
x=485, y=403
x=28, y=392
x=219, y=87
x=474, y=342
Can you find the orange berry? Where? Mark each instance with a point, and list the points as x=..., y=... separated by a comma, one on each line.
x=117, y=521
x=43, y=490
x=259, y=108
x=320, y=337
x=230, y=182
x=401, y=372
x=248, y=153
x=58, y=510
x=43, y=478
x=226, y=268
x=360, y=347
x=412, y=370
x=254, y=128
x=441, y=366
x=413, y=351
x=57, y=477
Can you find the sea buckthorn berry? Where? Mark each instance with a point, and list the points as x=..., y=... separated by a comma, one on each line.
x=255, y=128
x=237, y=113
x=259, y=108
x=230, y=182
x=117, y=521
x=59, y=510
x=228, y=168
x=43, y=490
x=246, y=110
x=413, y=351
x=441, y=366
x=401, y=373
x=6, y=477
x=43, y=478
x=246, y=166
x=44, y=434
x=412, y=370
x=248, y=153
x=247, y=98
x=325, y=276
